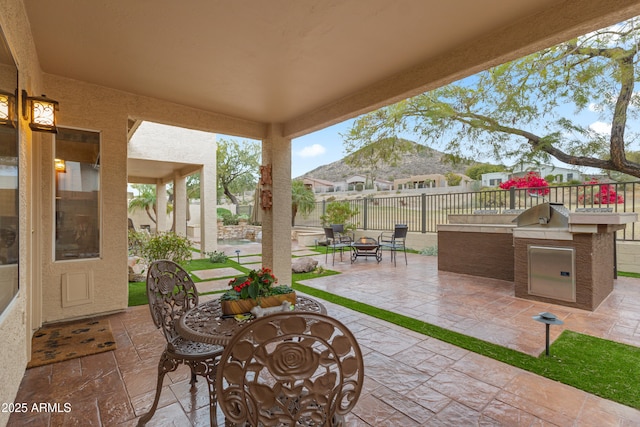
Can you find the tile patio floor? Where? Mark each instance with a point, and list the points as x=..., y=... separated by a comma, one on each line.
x=410, y=379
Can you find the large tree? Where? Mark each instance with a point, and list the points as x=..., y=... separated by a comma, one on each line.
x=237, y=166
x=518, y=110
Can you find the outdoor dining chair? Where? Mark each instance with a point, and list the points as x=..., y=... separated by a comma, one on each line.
x=293, y=369
x=395, y=241
x=341, y=235
x=335, y=243
x=171, y=293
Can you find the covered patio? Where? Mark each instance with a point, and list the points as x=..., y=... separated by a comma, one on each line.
x=265, y=70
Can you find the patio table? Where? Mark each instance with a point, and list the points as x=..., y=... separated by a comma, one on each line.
x=206, y=323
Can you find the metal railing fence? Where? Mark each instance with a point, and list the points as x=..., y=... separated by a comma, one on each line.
x=424, y=212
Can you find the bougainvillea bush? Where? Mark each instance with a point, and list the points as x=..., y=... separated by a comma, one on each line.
x=530, y=180
x=605, y=195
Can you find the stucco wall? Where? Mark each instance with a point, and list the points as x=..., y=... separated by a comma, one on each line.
x=15, y=321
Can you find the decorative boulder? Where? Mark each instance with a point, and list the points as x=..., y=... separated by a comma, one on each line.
x=303, y=265
x=137, y=269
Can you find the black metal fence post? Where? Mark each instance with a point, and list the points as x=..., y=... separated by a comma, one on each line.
x=423, y=201
x=512, y=198
x=364, y=213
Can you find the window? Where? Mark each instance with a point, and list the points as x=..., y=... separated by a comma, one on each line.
x=77, y=184
x=9, y=187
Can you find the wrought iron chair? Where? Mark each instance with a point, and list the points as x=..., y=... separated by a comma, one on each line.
x=341, y=235
x=293, y=369
x=395, y=241
x=335, y=243
x=171, y=293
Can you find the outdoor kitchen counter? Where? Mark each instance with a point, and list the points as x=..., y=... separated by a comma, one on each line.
x=477, y=228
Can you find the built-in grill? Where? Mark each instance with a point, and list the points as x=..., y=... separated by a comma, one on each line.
x=554, y=215
x=551, y=267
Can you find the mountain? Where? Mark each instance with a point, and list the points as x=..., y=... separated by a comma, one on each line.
x=417, y=160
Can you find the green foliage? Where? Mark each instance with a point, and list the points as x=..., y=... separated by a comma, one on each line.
x=222, y=212
x=453, y=179
x=512, y=111
x=550, y=178
x=254, y=284
x=302, y=200
x=167, y=245
x=238, y=164
x=430, y=251
x=137, y=294
x=145, y=200
x=137, y=241
x=340, y=213
x=217, y=257
x=475, y=172
x=229, y=218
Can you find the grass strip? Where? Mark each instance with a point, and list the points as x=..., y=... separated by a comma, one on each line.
x=627, y=274
x=601, y=367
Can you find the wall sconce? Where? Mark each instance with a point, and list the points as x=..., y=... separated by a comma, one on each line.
x=7, y=105
x=60, y=165
x=42, y=111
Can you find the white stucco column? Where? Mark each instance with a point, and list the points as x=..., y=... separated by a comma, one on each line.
x=161, y=202
x=208, y=210
x=276, y=222
x=180, y=204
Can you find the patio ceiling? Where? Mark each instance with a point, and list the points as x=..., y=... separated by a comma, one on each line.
x=306, y=64
x=144, y=171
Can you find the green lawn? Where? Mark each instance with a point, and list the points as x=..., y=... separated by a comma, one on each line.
x=601, y=367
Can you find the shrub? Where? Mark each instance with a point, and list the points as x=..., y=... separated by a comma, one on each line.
x=339, y=213
x=222, y=212
x=169, y=246
x=137, y=241
x=430, y=251
x=453, y=179
x=530, y=180
x=217, y=257
x=605, y=195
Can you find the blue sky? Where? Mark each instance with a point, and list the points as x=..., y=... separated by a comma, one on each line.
x=318, y=148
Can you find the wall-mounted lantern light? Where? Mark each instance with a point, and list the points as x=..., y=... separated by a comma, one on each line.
x=60, y=165
x=41, y=111
x=7, y=105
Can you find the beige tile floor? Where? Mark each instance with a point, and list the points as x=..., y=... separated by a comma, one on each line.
x=410, y=379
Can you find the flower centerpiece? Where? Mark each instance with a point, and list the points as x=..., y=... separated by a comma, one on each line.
x=255, y=288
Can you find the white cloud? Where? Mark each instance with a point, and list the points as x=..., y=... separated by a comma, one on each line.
x=600, y=127
x=312, y=151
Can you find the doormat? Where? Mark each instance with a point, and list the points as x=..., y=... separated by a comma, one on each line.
x=55, y=343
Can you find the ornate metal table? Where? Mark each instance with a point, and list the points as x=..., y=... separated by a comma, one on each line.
x=205, y=322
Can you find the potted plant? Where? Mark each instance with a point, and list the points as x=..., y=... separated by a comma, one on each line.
x=255, y=288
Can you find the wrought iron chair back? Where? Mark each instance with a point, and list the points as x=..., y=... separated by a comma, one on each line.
x=290, y=369
x=395, y=241
x=171, y=292
x=335, y=243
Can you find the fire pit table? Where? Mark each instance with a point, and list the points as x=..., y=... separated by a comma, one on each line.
x=365, y=247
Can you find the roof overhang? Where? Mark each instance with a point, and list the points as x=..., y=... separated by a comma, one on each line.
x=303, y=64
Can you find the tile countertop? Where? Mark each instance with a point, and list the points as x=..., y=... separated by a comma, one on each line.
x=602, y=218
